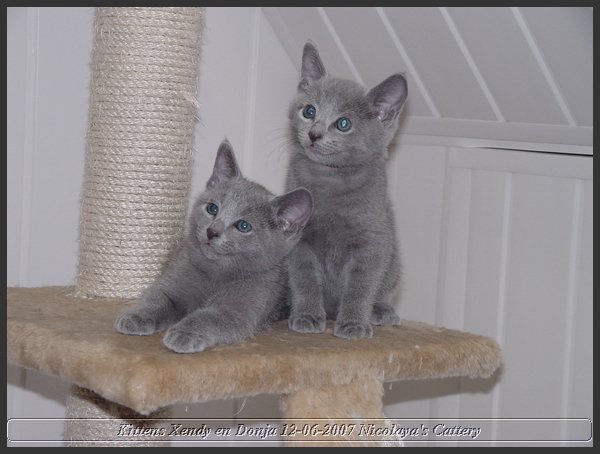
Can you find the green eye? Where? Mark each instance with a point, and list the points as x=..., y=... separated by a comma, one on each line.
x=243, y=226
x=343, y=124
x=212, y=208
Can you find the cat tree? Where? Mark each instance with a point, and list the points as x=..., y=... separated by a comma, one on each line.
x=138, y=161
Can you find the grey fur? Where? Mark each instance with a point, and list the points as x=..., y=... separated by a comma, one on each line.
x=222, y=285
x=346, y=266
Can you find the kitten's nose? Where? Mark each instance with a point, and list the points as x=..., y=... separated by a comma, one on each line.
x=314, y=136
x=210, y=233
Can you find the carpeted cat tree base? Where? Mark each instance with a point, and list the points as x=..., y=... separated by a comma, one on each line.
x=317, y=375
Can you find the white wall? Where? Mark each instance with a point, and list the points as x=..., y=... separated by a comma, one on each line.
x=499, y=243
x=47, y=97
x=495, y=242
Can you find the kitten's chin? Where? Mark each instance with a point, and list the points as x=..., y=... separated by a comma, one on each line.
x=317, y=155
x=208, y=251
x=324, y=160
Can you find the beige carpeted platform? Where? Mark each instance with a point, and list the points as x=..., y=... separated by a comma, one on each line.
x=52, y=331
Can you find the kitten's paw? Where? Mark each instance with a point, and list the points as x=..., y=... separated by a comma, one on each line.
x=352, y=330
x=184, y=342
x=306, y=323
x=384, y=314
x=133, y=323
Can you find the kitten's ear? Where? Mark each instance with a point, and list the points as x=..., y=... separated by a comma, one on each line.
x=312, y=67
x=293, y=209
x=225, y=167
x=389, y=96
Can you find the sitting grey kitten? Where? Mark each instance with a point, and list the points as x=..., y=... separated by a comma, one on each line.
x=227, y=279
x=346, y=266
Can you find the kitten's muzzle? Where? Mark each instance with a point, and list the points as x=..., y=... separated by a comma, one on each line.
x=314, y=136
x=211, y=233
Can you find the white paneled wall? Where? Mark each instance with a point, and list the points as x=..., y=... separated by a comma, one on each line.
x=495, y=242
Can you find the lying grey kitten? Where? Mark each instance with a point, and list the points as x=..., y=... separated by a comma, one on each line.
x=346, y=266
x=227, y=279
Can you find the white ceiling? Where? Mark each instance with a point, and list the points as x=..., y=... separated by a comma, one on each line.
x=517, y=74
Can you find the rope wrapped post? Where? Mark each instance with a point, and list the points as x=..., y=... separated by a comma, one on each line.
x=137, y=174
x=139, y=145
x=92, y=421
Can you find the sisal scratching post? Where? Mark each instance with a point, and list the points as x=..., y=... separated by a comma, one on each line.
x=139, y=145
x=126, y=427
x=138, y=168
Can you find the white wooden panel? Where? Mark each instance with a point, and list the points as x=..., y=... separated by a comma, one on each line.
x=486, y=250
x=17, y=54
x=441, y=64
x=374, y=54
x=579, y=386
x=276, y=83
x=284, y=36
x=478, y=240
x=505, y=61
x=484, y=301
x=536, y=296
x=522, y=240
x=222, y=90
x=416, y=178
x=62, y=99
x=565, y=38
x=450, y=307
x=522, y=162
x=306, y=24
x=520, y=136
x=416, y=184
x=450, y=304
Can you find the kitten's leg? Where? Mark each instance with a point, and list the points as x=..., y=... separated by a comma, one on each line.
x=153, y=312
x=383, y=312
x=305, y=278
x=223, y=322
x=363, y=278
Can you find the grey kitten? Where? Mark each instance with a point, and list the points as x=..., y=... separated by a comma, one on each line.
x=227, y=279
x=346, y=267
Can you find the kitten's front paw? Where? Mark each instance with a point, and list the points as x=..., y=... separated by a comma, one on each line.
x=352, y=330
x=307, y=323
x=133, y=323
x=184, y=342
x=384, y=314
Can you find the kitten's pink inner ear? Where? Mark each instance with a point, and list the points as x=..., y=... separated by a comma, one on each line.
x=381, y=113
x=389, y=96
x=291, y=214
x=294, y=209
